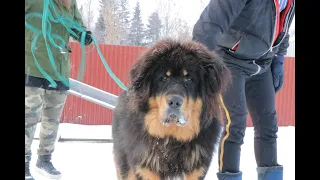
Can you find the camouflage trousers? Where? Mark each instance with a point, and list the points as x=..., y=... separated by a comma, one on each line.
x=44, y=106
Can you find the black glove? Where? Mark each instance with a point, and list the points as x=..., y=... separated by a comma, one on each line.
x=88, y=38
x=277, y=72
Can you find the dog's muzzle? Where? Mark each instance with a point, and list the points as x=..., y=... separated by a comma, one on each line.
x=174, y=114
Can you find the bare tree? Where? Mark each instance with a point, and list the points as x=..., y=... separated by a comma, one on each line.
x=173, y=24
x=169, y=16
x=90, y=14
x=87, y=14
x=184, y=32
x=111, y=21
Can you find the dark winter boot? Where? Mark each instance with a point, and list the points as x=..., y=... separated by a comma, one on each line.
x=44, y=167
x=229, y=176
x=270, y=173
x=27, y=172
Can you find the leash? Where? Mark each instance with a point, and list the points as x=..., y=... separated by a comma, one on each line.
x=50, y=38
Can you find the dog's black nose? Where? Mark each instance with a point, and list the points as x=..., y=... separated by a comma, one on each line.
x=175, y=101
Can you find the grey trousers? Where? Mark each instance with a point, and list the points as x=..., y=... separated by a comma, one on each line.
x=44, y=106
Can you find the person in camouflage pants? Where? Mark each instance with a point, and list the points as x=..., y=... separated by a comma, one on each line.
x=44, y=103
x=43, y=106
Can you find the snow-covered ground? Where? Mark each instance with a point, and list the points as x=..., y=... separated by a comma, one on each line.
x=94, y=161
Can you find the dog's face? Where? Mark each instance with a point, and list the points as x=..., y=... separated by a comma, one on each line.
x=175, y=91
x=178, y=86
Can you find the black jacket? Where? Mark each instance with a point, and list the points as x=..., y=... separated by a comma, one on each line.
x=245, y=29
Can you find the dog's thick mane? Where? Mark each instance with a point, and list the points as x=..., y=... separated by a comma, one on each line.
x=215, y=71
x=145, y=149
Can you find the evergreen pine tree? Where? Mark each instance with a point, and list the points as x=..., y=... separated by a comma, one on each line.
x=124, y=21
x=100, y=28
x=136, y=34
x=153, y=28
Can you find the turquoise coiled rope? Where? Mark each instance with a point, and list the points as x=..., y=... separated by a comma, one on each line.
x=46, y=32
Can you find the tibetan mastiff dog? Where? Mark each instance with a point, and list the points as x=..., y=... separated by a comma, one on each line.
x=168, y=124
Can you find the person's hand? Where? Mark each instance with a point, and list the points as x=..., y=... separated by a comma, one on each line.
x=87, y=39
x=277, y=70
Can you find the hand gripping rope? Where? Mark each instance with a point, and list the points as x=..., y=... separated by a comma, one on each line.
x=46, y=32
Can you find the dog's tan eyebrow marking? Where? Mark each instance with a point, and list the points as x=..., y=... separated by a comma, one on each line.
x=168, y=73
x=185, y=72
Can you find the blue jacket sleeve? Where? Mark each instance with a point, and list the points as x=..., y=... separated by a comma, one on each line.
x=282, y=51
x=215, y=20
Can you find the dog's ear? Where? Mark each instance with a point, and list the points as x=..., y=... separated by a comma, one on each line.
x=141, y=73
x=217, y=75
x=138, y=74
x=216, y=78
x=140, y=80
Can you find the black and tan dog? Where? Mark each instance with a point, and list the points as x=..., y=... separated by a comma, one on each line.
x=165, y=126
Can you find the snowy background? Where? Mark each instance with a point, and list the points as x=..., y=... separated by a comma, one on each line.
x=128, y=25
x=94, y=161
x=142, y=22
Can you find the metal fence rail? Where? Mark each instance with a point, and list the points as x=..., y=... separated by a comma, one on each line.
x=92, y=94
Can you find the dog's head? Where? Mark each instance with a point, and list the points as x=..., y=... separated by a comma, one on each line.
x=178, y=85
